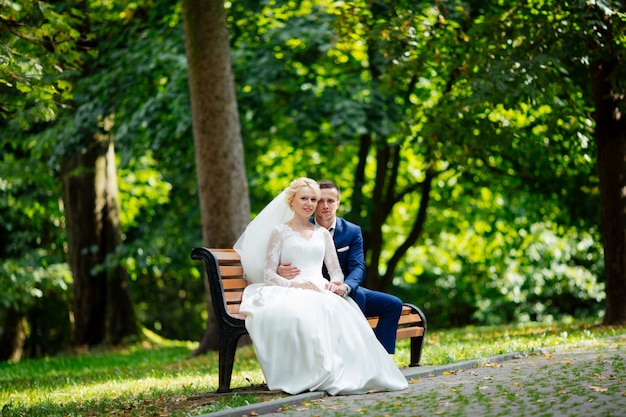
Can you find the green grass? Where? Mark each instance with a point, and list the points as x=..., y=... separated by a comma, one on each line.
x=160, y=379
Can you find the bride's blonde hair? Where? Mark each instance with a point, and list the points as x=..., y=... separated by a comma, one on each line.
x=298, y=183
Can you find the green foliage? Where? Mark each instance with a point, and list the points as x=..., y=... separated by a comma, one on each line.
x=511, y=164
x=142, y=98
x=39, y=49
x=491, y=99
x=145, y=189
x=31, y=259
x=38, y=290
x=539, y=273
x=26, y=279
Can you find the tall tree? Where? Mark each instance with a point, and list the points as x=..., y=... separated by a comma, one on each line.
x=608, y=88
x=103, y=308
x=571, y=53
x=222, y=184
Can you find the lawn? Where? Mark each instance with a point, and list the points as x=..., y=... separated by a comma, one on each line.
x=158, y=378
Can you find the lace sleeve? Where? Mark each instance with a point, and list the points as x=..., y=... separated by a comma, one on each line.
x=331, y=260
x=272, y=260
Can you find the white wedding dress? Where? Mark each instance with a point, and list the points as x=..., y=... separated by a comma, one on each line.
x=313, y=341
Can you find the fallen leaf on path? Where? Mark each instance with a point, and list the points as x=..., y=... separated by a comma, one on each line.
x=493, y=365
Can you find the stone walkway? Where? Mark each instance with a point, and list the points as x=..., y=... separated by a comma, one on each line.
x=582, y=380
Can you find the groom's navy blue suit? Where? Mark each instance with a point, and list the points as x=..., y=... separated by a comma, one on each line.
x=349, y=244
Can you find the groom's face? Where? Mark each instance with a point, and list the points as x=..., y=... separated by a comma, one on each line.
x=327, y=205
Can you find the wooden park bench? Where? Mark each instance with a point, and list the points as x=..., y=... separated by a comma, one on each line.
x=226, y=282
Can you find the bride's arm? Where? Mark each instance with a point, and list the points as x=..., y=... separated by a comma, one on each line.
x=332, y=261
x=272, y=261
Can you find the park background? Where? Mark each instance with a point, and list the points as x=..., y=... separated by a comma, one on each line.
x=479, y=144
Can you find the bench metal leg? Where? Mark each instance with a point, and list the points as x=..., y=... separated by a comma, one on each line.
x=417, y=342
x=416, y=350
x=228, y=346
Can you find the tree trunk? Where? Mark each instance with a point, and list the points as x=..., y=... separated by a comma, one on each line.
x=90, y=197
x=13, y=336
x=222, y=184
x=121, y=321
x=610, y=137
x=83, y=222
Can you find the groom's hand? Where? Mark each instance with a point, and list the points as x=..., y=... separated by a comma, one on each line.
x=338, y=288
x=287, y=271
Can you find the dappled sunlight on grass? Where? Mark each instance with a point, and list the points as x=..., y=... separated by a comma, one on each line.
x=114, y=375
x=162, y=379
x=246, y=370
x=456, y=345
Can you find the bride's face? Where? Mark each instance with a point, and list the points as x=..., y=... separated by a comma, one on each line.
x=304, y=202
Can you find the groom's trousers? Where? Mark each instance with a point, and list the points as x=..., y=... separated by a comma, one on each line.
x=387, y=307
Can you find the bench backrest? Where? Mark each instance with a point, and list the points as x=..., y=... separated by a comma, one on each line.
x=233, y=281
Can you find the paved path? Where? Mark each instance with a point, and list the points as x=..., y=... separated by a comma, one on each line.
x=583, y=380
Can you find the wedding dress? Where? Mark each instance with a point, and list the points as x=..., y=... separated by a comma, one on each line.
x=307, y=340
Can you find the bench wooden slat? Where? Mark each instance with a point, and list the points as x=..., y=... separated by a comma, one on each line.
x=406, y=332
x=231, y=271
x=409, y=319
x=234, y=284
x=226, y=254
x=406, y=309
x=233, y=297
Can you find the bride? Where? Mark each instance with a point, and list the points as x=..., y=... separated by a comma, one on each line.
x=306, y=338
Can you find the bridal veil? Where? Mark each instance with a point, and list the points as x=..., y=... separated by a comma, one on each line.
x=252, y=244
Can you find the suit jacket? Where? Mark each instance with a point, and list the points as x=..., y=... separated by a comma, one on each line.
x=349, y=244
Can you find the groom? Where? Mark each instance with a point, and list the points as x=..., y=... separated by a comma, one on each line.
x=349, y=244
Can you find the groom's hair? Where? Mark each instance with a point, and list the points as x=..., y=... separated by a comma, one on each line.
x=325, y=184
